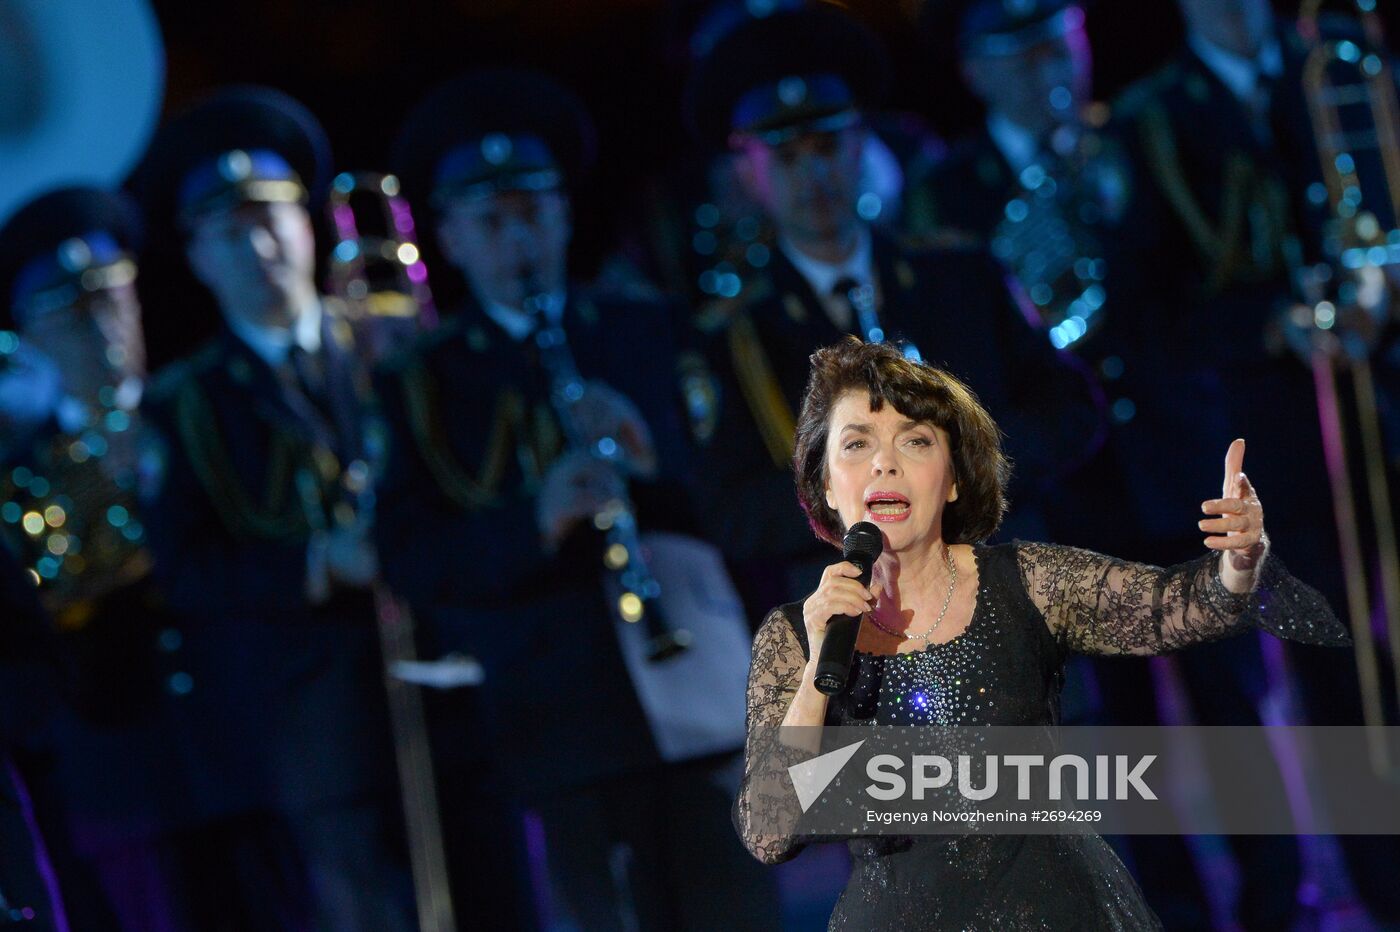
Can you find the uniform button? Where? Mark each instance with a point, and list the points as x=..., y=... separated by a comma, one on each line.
x=181, y=683
x=170, y=640
x=1111, y=367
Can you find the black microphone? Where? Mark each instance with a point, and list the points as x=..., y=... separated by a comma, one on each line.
x=862, y=546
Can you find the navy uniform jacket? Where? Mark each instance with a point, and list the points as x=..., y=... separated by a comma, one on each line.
x=965, y=191
x=28, y=654
x=472, y=433
x=281, y=701
x=28, y=687
x=954, y=305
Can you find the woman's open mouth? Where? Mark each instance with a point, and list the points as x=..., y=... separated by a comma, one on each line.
x=887, y=506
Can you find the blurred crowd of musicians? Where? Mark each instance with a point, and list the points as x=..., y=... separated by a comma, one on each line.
x=204, y=564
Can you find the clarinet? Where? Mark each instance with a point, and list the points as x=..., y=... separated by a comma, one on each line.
x=623, y=557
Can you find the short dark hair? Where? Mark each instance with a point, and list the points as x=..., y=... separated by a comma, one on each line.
x=919, y=392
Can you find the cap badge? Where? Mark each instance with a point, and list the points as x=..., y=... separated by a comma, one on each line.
x=74, y=255
x=235, y=166
x=496, y=148
x=792, y=91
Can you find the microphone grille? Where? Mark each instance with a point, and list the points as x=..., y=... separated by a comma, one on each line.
x=863, y=541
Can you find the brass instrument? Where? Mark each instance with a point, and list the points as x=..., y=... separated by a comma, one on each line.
x=351, y=504
x=1047, y=233
x=380, y=275
x=83, y=96
x=1351, y=98
x=638, y=599
x=71, y=509
x=376, y=266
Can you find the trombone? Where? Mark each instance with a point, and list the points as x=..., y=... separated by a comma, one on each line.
x=377, y=270
x=376, y=266
x=1351, y=98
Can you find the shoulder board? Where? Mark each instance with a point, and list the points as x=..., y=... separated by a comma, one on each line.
x=716, y=315
x=165, y=383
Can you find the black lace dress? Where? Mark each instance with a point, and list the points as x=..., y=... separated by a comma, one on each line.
x=1035, y=604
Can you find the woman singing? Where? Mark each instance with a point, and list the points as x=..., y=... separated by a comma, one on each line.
x=982, y=632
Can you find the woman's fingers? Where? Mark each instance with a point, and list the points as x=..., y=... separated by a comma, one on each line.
x=838, y=588
x=1234, y=463
x=1224, y=506
x=1235, y=541
x=846, y=606
x=1226, y=524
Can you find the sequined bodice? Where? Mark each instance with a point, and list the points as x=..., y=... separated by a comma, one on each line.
x=1000, y=670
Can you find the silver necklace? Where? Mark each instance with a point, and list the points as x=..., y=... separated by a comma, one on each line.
x=947, y=600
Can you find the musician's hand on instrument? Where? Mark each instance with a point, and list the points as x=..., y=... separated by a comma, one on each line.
x=351, y=558
x=605, y=412
x=839, y=593
x=576, y=487
x=1244, y=544
x=1341, y=330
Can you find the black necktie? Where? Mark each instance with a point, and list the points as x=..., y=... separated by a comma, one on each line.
x=309, y=373
x=861, y=301
x=1260, y=107
x=309, y=379
x=841, y=291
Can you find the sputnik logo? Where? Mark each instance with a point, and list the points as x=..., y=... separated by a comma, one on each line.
x=811, y=777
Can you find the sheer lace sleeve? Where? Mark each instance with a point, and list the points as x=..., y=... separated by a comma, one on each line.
x=1102, y=605
x=766, y=794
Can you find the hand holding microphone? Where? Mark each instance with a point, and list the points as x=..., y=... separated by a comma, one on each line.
x=832, y=614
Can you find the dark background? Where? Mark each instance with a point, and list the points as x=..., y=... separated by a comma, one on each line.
x=361, y=64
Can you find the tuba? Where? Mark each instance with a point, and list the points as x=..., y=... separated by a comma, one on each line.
x=83, y=96
x=74, y=515
x=1351, y=96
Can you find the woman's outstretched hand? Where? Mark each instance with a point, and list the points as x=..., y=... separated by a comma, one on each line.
x=1239, y=531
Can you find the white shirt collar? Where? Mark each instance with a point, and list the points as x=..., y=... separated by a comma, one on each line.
x=272, y=344
x=1016, y=143
x=1236, y=72
x=823, y=276
x=517, y=323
